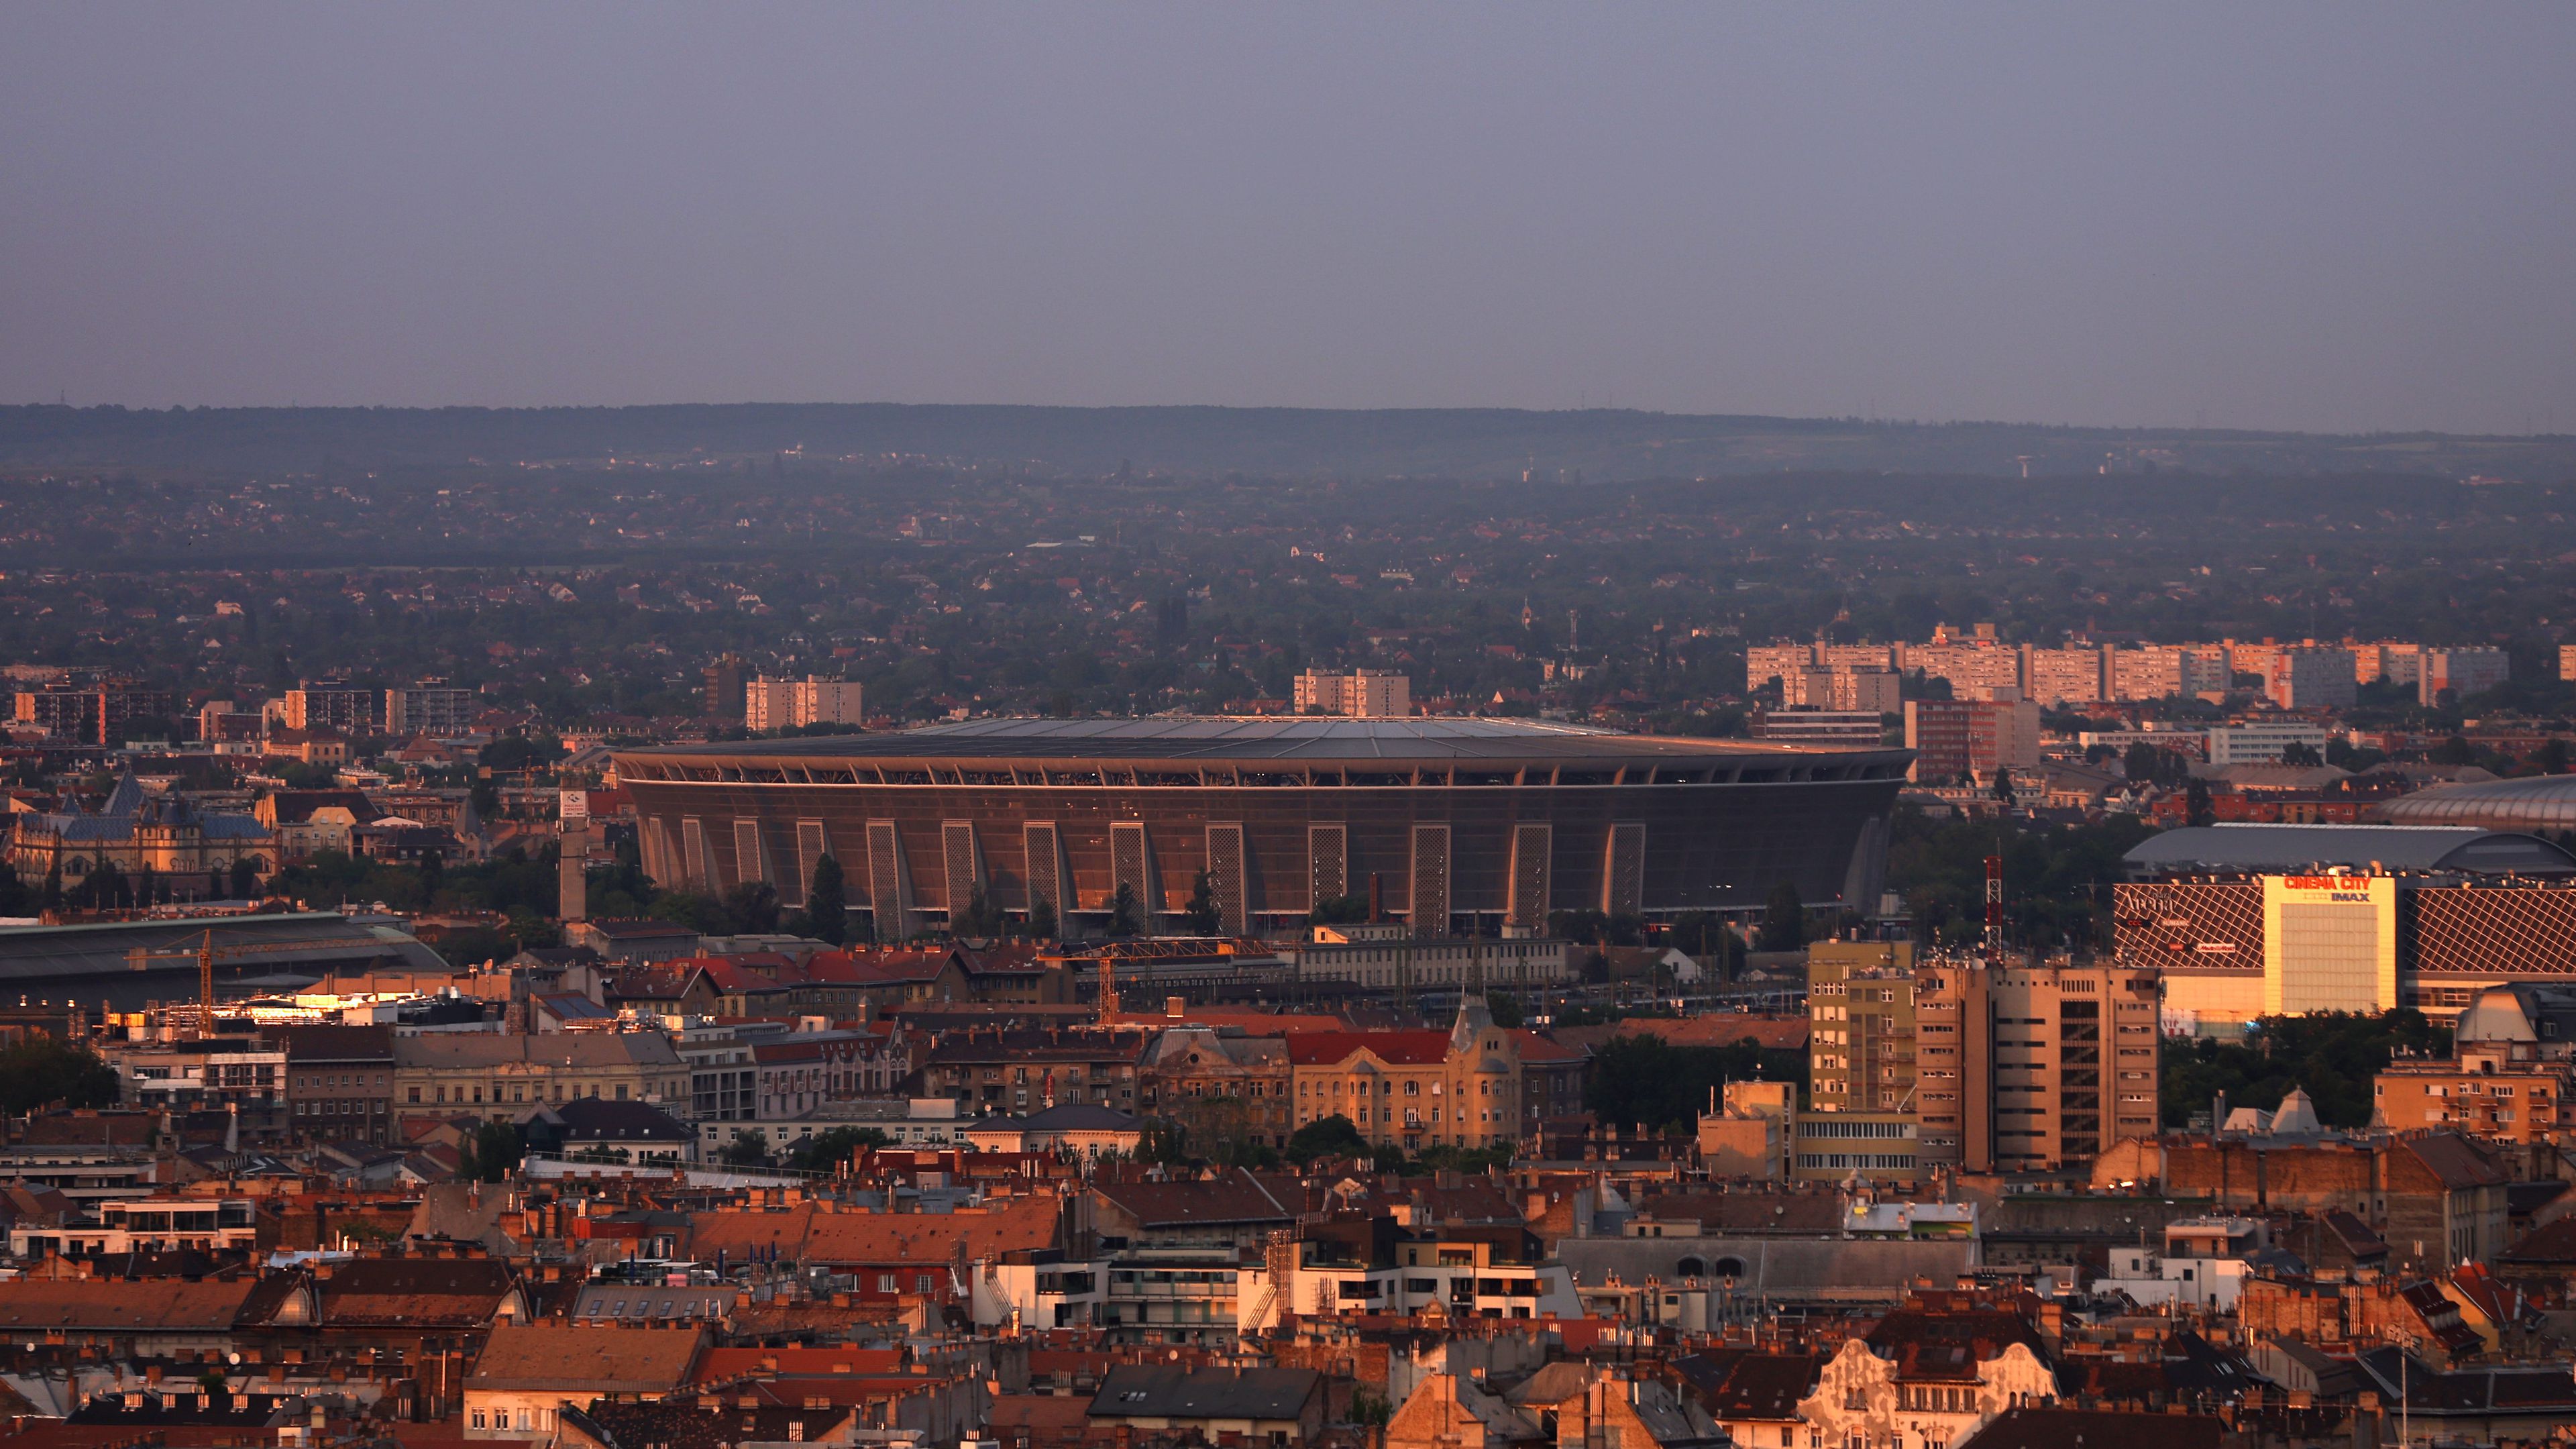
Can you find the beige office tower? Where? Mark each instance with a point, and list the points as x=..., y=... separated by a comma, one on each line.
x=2032, y=1067
x=770, y=704
x=1860, y=1025
x=1364, y=693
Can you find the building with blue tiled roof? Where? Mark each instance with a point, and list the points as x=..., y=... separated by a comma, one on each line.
x=136, y=830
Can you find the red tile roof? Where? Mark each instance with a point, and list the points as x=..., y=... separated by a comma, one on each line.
x=110, y=1305
x=722, y=1365
x=2458, y=1162
x=877, y=968
x=1236, y=1197
x=2552, y=1243
x=1250, y=1023
x=1395, y=1048
x=2029, y=1428
x=1044, y=1415
x=1538, y=1049
x=739, y=973
x=1764, y=1386
x=581, y=1358
x=878, y=1239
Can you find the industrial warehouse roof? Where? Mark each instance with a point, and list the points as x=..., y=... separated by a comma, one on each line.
x=1299, y=738
x=310, y=942
x=2280, y=849
x=2533, y=802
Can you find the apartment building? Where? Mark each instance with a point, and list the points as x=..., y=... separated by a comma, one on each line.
x=2027, y=1067
x=1976, y=668
x=1747, y=1134
x=2305, y=674
x=91, y=713
x=1855, y=656
x=339, y=1081
x=2059, y=677
x=724, y=692
x=1764, y=663
x=499, y=1076
x=1973, y=738
x=1823, y=726
x=1018, y=1070
x=2390, y=660
x=772, y=704
x=1842, y=687
x=2164, y=671
x=2310, y=677
x=2192, y=744
x=2485, y=1091
x=332, y=704
x=768, y=704
x=202, y=1073
x=2021, y=1066
x=2463, y=673
x=1861, y=1030
x=221, y=721
x=1219, y=1086
x=1369, y=693
x=2262, y=744
x=431, y=707
x=1385, y=956
x=1414, y=1089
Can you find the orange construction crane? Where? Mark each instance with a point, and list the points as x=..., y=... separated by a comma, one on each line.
x=207, y=953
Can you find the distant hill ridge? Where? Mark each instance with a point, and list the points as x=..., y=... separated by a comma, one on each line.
x=1601, y=445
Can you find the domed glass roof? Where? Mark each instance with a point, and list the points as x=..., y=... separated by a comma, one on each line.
x=2532, y=802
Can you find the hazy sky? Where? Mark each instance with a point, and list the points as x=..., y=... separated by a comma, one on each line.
x=2319, y=216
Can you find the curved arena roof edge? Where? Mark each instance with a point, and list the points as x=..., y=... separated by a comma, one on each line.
x=2278, y=849
x=2531, y=802
x=1298, y=739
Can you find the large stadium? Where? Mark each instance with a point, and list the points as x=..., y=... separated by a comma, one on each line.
x=1456, y=823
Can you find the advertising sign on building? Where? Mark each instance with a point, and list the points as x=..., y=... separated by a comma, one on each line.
x=2329, y=943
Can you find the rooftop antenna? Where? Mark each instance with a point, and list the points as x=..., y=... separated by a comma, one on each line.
x=1994, y=910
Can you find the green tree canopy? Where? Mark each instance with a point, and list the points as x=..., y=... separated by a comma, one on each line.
x=1126, y=913
x=40, y=1071
x=1644, y=1079
x=494, y=1153
x=1334, y=1136
x=1784, y=919
x=827, y=907
x=1339, y=911
x=1201, y=914
x=979, y=918
x=2333, y=1056
x=747, y=1149
x=828, y=1150
x=2057, y=879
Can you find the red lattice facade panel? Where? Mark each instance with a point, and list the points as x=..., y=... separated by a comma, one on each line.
x=2196, y=926
x=2488, y=932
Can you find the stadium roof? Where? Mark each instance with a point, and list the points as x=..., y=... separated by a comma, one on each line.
x=1284, y=738
x=113, y=953
x=2532, y=802
x=2282, y=849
